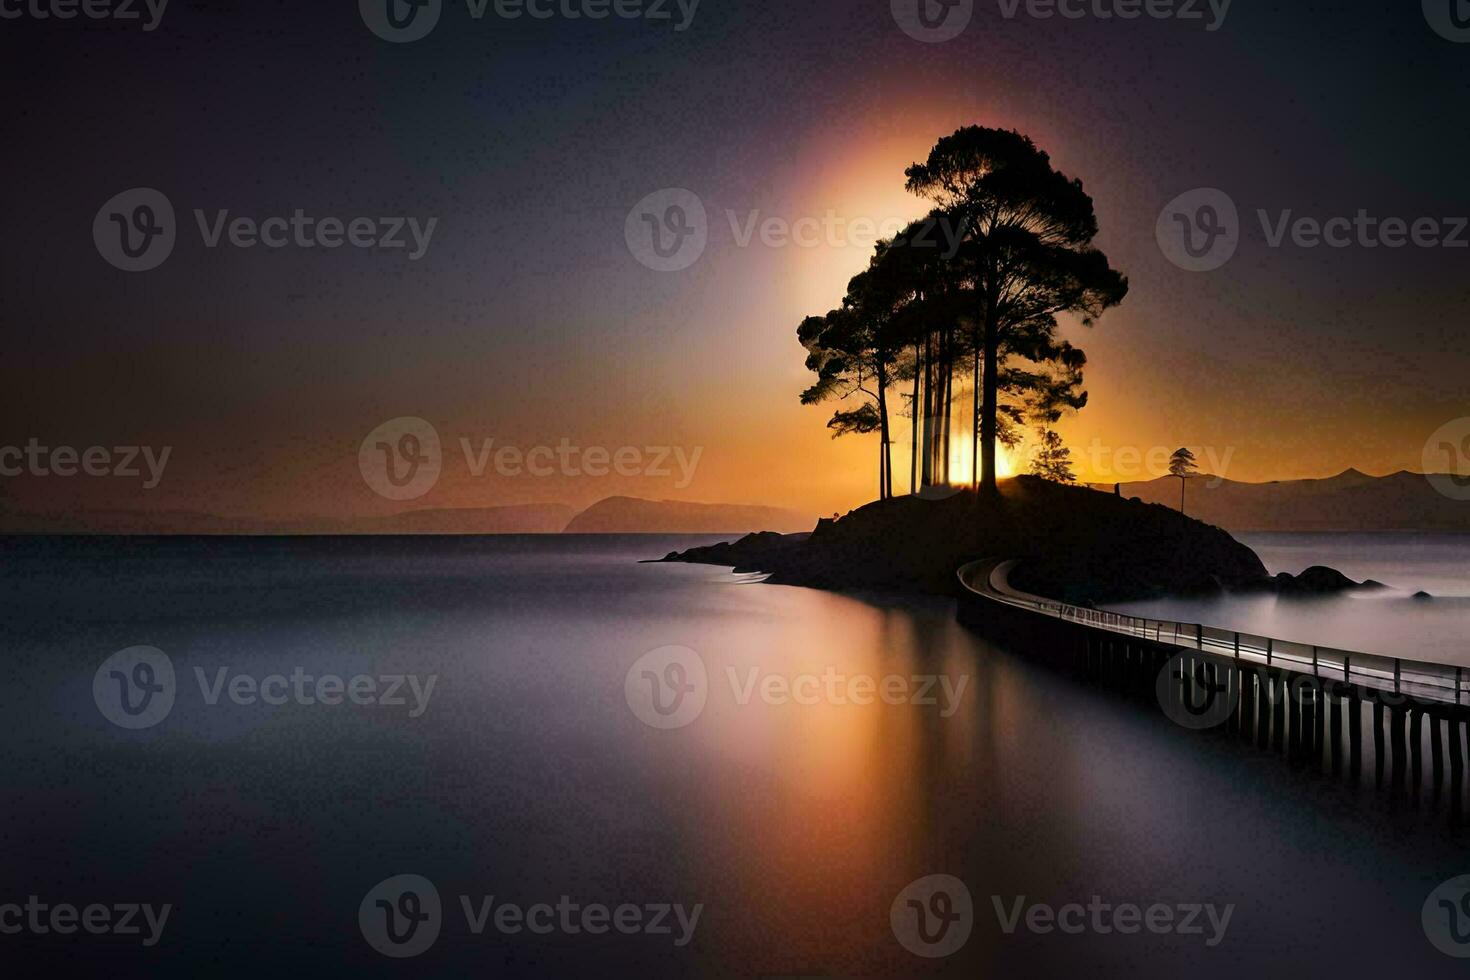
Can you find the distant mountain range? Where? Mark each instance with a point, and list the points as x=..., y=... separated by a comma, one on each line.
x=625, y=515
x=1350, y=501
x=614, y=515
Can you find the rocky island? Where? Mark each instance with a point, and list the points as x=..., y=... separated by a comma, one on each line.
x=1077, y=544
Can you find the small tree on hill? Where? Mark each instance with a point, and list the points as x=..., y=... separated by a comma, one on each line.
x=1182, y=465
x=1052, y=460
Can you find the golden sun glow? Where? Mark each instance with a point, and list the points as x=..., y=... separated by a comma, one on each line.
x=960, y=466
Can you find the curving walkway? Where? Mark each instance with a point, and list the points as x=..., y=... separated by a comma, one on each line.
x=1423, y=680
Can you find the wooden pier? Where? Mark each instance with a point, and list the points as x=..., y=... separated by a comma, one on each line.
x=1307, y=704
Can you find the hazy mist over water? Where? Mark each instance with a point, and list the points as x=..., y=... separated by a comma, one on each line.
x=528, y=777
x=1390, y=622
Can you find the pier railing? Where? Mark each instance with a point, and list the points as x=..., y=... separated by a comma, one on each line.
x=1415, y=678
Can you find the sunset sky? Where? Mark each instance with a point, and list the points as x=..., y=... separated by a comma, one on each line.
x=529, y=321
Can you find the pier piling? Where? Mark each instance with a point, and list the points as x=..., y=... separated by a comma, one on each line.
x=1416, y=752
x=1378, y=742
x=1334, y=699
x=1436, y=754
x=1457, y=759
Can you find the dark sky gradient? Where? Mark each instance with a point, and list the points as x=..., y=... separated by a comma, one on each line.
x=529, y=321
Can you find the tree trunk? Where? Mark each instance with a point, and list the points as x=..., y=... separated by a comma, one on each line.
x=885, y=479
x=975, y=411
x=928, y=422
x=880, y=466
x=914, y=429
x=946, y=412
x=989, y=401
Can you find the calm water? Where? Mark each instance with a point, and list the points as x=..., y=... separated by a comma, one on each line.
x=528, y=777
x=1389, y=622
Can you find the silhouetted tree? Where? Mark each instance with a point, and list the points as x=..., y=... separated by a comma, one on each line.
x=1182, y=465
x=837, y=355
x=927, y=303
x=1024, y=249
x=852, y=351
x=1052, y=460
